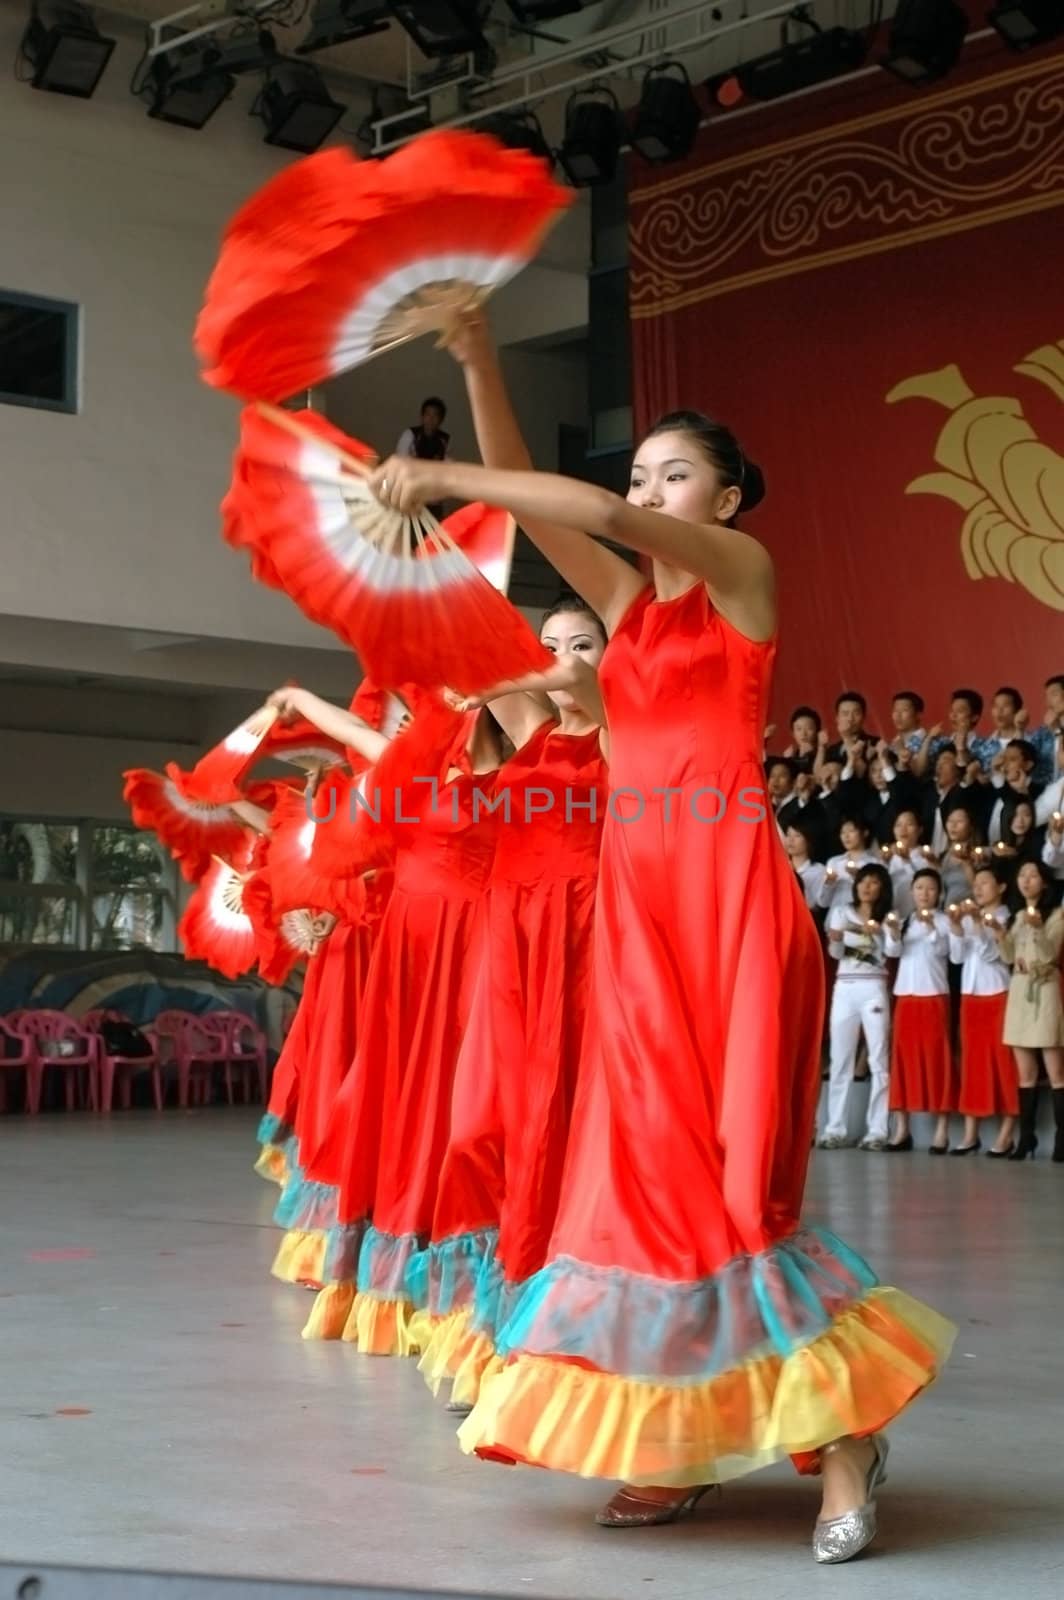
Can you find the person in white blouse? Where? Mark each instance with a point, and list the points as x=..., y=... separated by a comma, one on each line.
x=989, y=1086
x=837, y=889
x=921, y=1061
x=860, y=1003
x=905, y=857
x=798, y=843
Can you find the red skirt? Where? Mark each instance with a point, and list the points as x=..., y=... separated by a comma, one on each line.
x=989, y=1086
x=921, y=1063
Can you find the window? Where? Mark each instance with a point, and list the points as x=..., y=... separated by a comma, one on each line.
x=85, y=886
x=38, y=352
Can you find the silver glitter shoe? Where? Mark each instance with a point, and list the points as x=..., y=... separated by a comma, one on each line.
x=842, y=1538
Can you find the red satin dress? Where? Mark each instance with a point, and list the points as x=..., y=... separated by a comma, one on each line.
x=388, y=1140
x=517, y=1071
x=686, y=1327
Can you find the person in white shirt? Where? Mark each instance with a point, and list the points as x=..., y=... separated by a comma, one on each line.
x=798, y=842
x=921, y=1061
x=989, y=1085
x=905, y=857
x=860, y=1003
x=1053, y=845
x=841, y=875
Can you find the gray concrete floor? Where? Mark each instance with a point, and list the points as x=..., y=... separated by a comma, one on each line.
x=159, y=1409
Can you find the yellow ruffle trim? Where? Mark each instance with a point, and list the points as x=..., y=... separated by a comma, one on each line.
x=272, y=1165
x=301, y=1258
x=853, y=1379
x=452, y=1352
x=377, y=1327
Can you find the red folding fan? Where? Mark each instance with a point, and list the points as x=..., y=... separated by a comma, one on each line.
x=215, y=927
x=218, y=777
x=337, y=260
x=190, y=830
x=401, y=591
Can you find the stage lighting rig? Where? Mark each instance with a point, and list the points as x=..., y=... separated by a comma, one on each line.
x=342, y=21
x=298, y=111
x=1026, y=23
x=519, y=130
x=442, y=28
x=667, y=117
x=65, y=48
x=926, y=39
x=592, y=140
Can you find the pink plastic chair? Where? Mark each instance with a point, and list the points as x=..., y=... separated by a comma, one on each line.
x=18, y=1053
x=112, y=1068
x=193, y=1049
x=245, y=1051
x=64, y=1045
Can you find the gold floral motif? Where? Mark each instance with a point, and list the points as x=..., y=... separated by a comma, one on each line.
x=1009, y=484
x=970, y=155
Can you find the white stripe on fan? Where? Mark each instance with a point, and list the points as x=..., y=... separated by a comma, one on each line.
x=356, y=336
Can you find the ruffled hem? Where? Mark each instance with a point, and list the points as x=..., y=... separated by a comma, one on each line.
x=306, y=1207
x=452, y=1352
x=272, y=1164
x=853, y=1378
x=273, y=1129
x=301, y=1258
x=447, y=1276
x=377, y=1327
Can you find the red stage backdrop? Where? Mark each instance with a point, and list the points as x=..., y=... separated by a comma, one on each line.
x=871, y=292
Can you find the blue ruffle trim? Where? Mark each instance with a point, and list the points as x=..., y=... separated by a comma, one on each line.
x=446, y=1277
x=272, y=1130
x=647, y=1328
x=306, y=1207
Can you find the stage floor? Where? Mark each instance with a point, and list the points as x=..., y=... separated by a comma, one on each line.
x=161, y=1411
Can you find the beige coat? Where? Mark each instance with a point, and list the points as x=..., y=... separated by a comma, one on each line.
x=1034, y=1013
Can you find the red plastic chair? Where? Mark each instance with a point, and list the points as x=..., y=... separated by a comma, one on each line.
x=18, y=1053
x=64, y=1045
x=245, y=1051
x=112, y=1068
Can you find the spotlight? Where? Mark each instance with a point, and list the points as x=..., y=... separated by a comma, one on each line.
x=592, y=140
x=341, y=21
x=519, y=130
x=1024, y=23
x=443, y=27
x=530, y=12
x=667, y=118
x=65, y=49
x=297, y=109
x=186, y=85
x=815, y=59
x=925, y=40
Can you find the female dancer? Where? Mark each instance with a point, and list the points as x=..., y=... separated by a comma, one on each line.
x=375, y=1178
x=517, y=1070
x=685, y=1328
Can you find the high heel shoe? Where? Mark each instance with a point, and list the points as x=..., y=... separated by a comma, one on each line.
x=1027, y=1143
x=899, y=1145
x=841, y=1538
x=1024, y=1147
x=628, y=1508
x=966, y=1149
x=1001, y=1155
x=938, y=1149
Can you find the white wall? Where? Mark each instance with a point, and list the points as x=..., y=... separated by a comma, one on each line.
x=110, y=516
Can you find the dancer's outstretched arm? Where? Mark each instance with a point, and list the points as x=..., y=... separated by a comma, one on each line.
x=331, y=720
x=736, y=568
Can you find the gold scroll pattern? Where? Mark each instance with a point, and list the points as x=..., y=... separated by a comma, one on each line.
x=960, y=159
x=1007, y=482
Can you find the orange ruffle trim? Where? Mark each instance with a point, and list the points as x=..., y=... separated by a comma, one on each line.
x=272, y=1165
x=452, y=1352
x=377, y=1327
x=853, y=1379
x=301, y=1258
